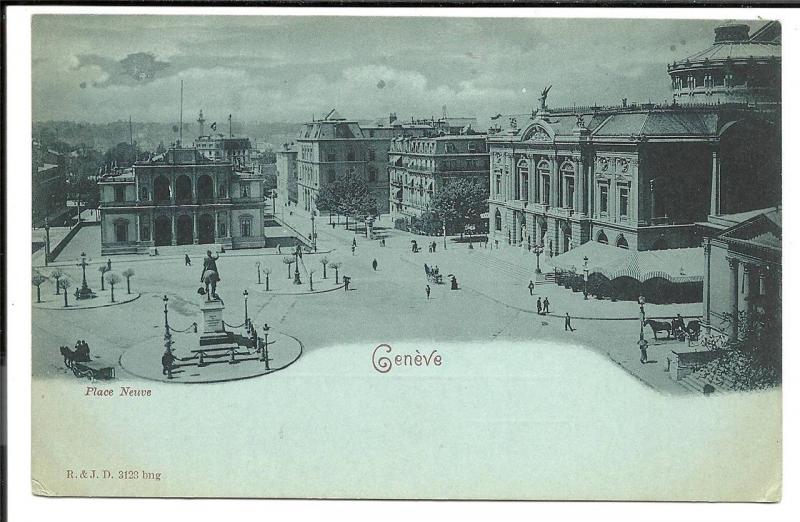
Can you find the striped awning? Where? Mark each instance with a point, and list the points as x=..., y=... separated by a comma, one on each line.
x=677, y=265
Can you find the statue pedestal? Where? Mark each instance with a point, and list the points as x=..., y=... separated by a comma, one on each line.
x=213, y=325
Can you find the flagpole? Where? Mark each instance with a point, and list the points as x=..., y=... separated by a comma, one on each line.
x=180, y=134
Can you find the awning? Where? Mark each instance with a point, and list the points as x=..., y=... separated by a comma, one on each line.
x=677, y=265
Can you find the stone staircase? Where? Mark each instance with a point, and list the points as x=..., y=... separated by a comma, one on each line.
x=696, y=384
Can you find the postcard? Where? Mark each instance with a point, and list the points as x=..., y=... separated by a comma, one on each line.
x=406, y=257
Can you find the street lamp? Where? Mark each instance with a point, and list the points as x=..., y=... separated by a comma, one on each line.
x=313, y=231
x=266, y=346
x=167, y=335
x=538, y=250
x=47, y=241
x=642, y=302
x=85, y=291
x=246, y=319
x=585, y=278
x=296, y=266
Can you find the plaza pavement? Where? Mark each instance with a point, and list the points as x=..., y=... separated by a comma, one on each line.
x=385, y=305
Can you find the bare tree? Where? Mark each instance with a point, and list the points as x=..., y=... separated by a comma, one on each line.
x=64, y=283
x=57, y=274
x=324, y=261
x=102, y=269
x=267, y=271
x=36, y=280
x=336, y=266
x=113, y=279
x=128, y=274
x=288, y=260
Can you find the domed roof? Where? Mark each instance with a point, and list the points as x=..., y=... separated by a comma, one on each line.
x=733, y=42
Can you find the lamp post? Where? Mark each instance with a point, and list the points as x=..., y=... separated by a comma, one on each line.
x=266, y=346
x=585, y=278
x=273, y=203
x=85, y=290
x=538, y=250
x=167, y=335
x=296, y=266
x=246, y=319
x=641, y=310
x=313, y=232
x=47, y=241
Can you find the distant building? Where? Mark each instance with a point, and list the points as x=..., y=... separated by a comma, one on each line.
x=287, y=174
x=180, y=198
x=219, y=148
x=420, y=166
x=743, y=269
x=335, y=147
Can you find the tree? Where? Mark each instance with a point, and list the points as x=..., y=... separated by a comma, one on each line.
x=460, y=202
x=753, y=360
x=267, y=271
x=288, y=260
x=311, y=279
x=336, y=266
x=37, y=279
x=122, y=154
x=348, y=196
x=64, y=284
x=324, y=261
x=102, y=269
x=128, y=274
x=57, y=274
x=113, y=279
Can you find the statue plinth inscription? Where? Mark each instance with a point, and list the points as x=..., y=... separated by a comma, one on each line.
x=213, y=325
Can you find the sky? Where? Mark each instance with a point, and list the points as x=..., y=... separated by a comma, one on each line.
x=98, y=69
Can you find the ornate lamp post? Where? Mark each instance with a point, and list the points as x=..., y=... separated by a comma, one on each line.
x=538, y=250
x=246, y=318
x=167, y=335
x=266, y=346
x=296, y=266
x=47, y=241
x=641, y=310
x=85, y=292
x=313, y=232
x=585, y=278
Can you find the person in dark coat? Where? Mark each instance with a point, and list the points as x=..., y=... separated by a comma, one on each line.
x=346, y=280
x=568, y=323
x=374, y=265
x=643, y=350
x=531, y=286
x=428, y=291
x=546, y=306
x=167, y=361
x=539, y=306
x=187, y=261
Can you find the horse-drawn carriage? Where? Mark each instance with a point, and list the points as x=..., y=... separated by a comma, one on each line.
x=675, y=329
x=81, y=364
x=433, y=274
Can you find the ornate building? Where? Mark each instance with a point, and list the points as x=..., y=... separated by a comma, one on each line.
x=633, y=176
x=180, y=198
x=419, y=166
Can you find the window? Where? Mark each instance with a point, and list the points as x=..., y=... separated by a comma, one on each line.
x=331, y=176
x=623, y=202
x=498, y=222
x=568, y=177
x=245, y=190
x=223, y=190
x=119, y=194
x=543, y=168
x=372, y=174
x=545, y=196
x=472, y=147
x=604, y=200
x=522, y=167
x=497, y=181
x=371, y=154
x=622, y=242
x=331, y=156
x=144, y=194
x=223, y=229
x=245, y=226
x=602, y=238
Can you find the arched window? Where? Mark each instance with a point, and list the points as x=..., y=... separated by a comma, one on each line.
x=245, y=189
x=622, y=242
x=522, y=168
x=183, y=188
x=498, y=220
x=246, y=226
x=223, y=190
x=568, y=183
x=144, y=194
x=373, y=174
x=161, y=189
x=543, y=169
x=602, y=238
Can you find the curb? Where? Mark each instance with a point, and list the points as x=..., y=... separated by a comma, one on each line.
x=104, y=305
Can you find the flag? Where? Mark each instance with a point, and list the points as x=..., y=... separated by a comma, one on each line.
x=214, y=126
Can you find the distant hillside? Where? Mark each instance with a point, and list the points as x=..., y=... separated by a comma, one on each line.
x=149, y=134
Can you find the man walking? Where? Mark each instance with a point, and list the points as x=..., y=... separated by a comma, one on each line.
x=434, y=246
x=531, y=286
x=546, y=306
x=374, y=265
x=353, y=248
x=539, y=306
x=428, y=291
x=187, y=261
x=643, y=350
x=568, y=323
x=346, y=280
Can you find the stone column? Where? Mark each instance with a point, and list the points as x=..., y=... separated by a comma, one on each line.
x=715, y=184
x=216, y=226
x=707, y=280
x=138, y=228
x=746, y=274
x=174, y=230
x=553, y=182
x=733, y=263
x=195, y=235
x=579, y=184
x=230, y=231
x=762, y=280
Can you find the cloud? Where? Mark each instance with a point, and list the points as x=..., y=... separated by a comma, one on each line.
x=133, y=70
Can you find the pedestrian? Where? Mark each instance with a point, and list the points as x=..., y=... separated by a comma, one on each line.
x=354, y=243
x=334, y=225
x=353, y=249
x=374, y=265
x=643, y=350
x=108, y=265
x=539, y=306
x=568, y=323
x=167, y=360
x=346, y=280
x=187, y=261
x=430, y=248
x=434, y=246
x=428, y=291
x=546, y=306
x=279, y=248
x=531, y=286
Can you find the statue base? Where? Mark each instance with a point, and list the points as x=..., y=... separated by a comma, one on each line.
x=213, y=325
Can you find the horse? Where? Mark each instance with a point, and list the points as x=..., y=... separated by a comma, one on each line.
x=210, y=277
x=659, y=326
x=69, y=356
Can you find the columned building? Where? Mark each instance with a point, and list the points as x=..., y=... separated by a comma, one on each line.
x=420, y=166
x=180, y=198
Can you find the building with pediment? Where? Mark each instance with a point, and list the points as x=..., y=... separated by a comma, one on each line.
x=180, y=197
x=636, y=176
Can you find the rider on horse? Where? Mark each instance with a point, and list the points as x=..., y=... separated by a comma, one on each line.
x=210, y=275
